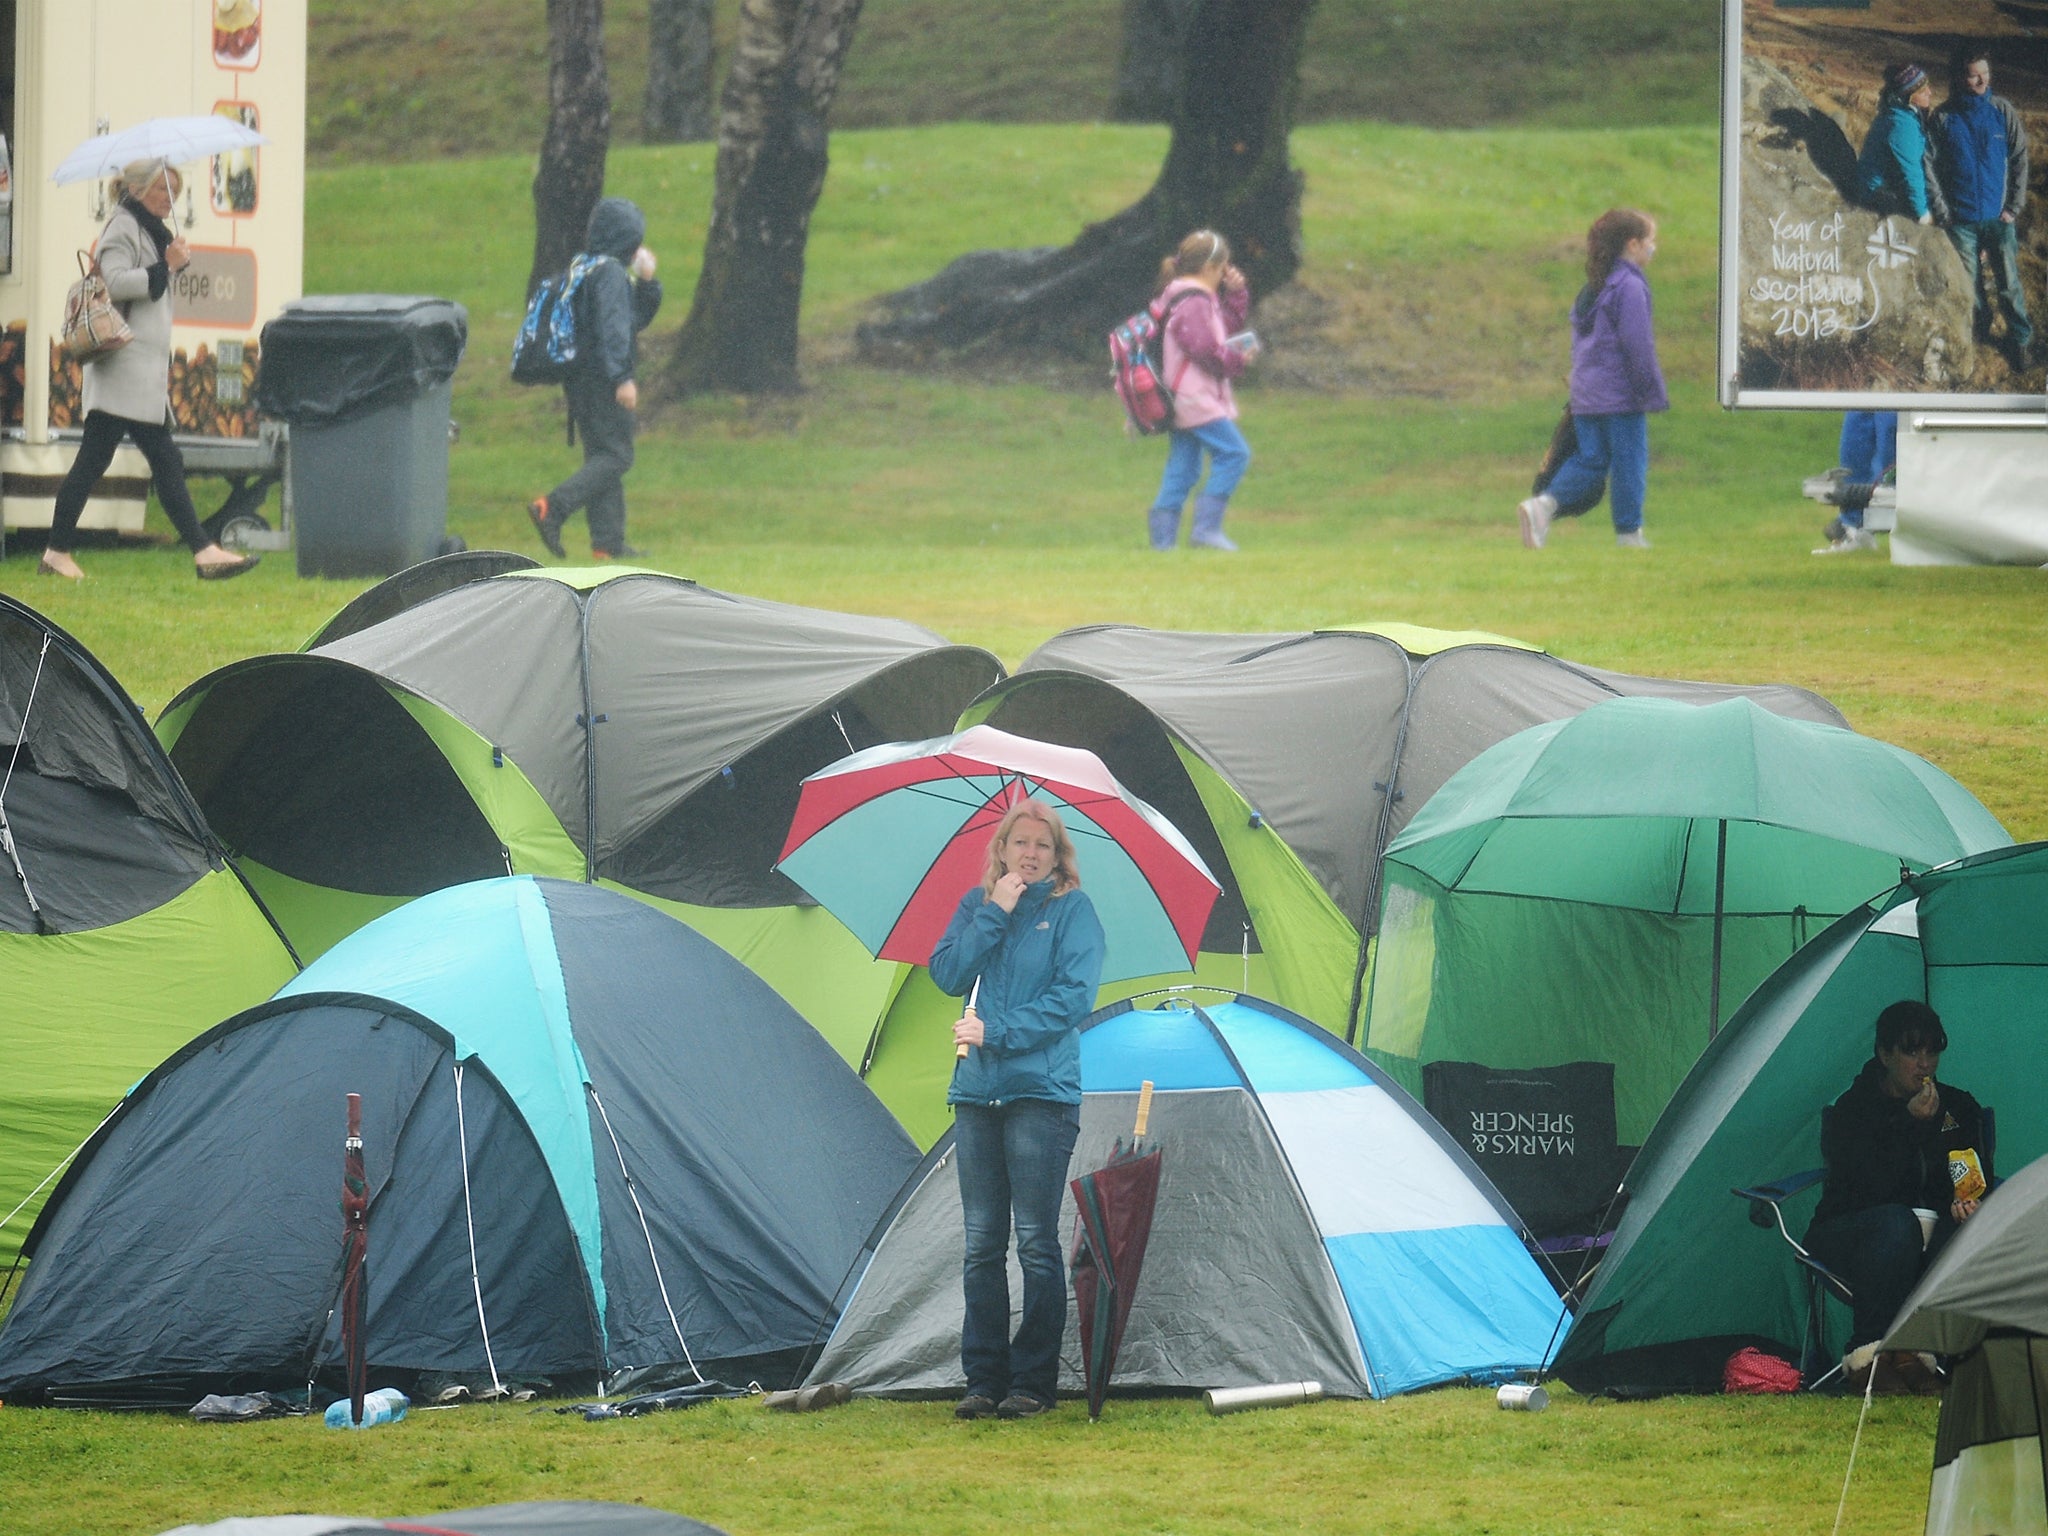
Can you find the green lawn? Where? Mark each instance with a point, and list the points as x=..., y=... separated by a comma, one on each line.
x=999, y=511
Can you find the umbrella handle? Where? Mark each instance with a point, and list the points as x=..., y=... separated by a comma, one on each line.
x=1144, y=1107
x=960, y=1051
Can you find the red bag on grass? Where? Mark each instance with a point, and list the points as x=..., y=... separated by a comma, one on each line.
x=1752, y=1370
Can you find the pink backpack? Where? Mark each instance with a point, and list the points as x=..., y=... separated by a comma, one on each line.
x=1137, y=353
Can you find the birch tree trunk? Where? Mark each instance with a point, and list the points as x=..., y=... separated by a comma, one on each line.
x=570, y=177
x=678, y=109
x=1226, y=168
x=742, y=330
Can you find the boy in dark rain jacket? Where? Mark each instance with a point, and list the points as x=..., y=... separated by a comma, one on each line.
x=616, y=302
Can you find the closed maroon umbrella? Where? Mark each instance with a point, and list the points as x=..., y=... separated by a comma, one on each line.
x=355, y=1280
x=1114, y=1207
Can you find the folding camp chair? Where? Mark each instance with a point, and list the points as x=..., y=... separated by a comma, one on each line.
x=1766, y=1202
x=1766, y=1209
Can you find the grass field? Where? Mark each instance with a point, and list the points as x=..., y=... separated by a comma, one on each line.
x=416, y=80
x=1410, y=384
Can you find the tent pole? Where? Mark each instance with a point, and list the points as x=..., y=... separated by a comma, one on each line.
x=1720, y=902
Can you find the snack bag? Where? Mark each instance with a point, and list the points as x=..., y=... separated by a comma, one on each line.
x=1966, y=1172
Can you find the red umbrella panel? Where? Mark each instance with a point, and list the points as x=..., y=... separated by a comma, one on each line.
x=1113, y=1207
x=888, y=839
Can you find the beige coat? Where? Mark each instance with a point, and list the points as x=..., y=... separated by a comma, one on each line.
x=134, y=382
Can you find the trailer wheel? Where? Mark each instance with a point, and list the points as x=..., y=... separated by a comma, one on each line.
x=233, y=529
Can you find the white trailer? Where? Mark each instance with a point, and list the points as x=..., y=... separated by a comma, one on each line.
x=74, y=68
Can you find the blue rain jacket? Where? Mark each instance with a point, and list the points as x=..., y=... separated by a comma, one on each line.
x=1039, y=967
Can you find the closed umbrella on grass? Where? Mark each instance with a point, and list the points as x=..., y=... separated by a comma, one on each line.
x=1113, y=1209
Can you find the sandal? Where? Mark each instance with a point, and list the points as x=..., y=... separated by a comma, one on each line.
x=227, y=568
x=45, y=568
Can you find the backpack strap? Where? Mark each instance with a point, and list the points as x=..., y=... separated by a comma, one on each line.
x=1166, y=315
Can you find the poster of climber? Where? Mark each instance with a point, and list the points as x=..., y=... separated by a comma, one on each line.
x=1884, y=242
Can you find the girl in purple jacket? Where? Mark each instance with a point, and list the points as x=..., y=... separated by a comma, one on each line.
x=1205, y=301
x=1616, y=383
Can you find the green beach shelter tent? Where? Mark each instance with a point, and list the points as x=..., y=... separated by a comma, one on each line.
x=614, y=726
x=1687, y=1280
x=1608, y=888
x=123, y=930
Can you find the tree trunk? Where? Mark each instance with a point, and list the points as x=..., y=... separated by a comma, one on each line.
x=1226, y=168
x=1148, y=60
x=570, y=178
x=741, y=333
x=678, y=71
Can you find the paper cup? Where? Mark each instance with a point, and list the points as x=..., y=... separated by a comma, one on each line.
x=1927, y=1221
x=1523, y=1397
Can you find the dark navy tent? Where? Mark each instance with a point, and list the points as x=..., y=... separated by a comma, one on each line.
x=598, y=1148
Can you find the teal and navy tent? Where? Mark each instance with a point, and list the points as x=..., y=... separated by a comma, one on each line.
x=1313, y=1224
x=1687, y=1279
x=597, y=1146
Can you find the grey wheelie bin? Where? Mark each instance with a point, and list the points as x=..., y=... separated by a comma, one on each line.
x=361, y=379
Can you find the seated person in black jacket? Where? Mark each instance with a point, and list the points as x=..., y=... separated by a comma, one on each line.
x=1893, y=1145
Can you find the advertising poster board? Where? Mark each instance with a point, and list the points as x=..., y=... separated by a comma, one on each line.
x=1848, y=281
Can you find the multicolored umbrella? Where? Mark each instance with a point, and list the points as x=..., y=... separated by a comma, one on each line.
x=888, y=839
x=355, y=1281
x=1113, y=1208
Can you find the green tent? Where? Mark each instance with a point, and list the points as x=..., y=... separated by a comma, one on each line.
x=123, y=930
x=1626, y=877
x=1687, y=1280
x=620, y=727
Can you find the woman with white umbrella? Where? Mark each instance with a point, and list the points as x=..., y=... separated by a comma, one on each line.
x=127, y=392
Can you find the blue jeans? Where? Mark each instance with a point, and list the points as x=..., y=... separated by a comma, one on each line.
x=1229, y=454
x=1013, y=1163
x=1877, y=1251
x=2003, y=242
x=1615, y=449
x=1870, y=446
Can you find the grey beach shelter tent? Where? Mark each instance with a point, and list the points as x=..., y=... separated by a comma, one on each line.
x=124, y=931
x=1687, y=1279
x=1313, y=1224
x=1329, y=741
x=598, y=1150
x=1984, y=1302
x=623, y=728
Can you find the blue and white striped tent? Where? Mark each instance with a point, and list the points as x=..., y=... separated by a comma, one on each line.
x=1314, y=1224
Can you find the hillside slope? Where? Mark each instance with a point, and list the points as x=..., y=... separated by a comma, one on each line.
x=419, y=79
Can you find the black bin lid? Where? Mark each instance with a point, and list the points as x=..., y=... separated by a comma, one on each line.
x=335, y=355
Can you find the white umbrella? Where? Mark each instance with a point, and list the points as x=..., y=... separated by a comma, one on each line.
x=175, y=139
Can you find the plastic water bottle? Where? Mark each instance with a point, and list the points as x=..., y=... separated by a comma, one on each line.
x=386, y=1405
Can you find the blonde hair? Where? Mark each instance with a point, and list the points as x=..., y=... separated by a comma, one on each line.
x=137, y=176
x=1066, y=873
x=1200, y=250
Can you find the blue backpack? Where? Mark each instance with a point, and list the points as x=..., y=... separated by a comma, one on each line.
x=545, y=347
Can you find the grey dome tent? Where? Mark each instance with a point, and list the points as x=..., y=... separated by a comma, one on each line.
x=1984, y=1301
x=124, y=931
x=1313, y=1223
x=624, y=728
x=598, y=1148
x=1335, y=738
x=1687, y=1280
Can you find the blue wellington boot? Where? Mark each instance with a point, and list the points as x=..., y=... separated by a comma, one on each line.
x=1208, y=530
x=1165, y=523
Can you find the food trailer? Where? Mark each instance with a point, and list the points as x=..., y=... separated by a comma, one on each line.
x=70, y=69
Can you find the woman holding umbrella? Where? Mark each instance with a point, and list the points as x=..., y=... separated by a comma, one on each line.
x=127, y=392
x=1028, y=941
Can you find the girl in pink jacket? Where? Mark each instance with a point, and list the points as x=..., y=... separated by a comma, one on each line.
x=1205, y=300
